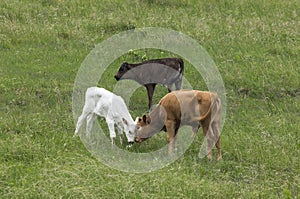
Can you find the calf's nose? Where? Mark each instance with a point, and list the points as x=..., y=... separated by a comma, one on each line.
x=116, y=77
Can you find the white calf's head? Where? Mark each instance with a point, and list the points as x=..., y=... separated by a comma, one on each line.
x=130, y=130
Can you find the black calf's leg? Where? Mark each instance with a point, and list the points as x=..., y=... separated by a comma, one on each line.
x=150, y=91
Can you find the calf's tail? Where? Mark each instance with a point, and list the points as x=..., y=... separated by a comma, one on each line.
x=215, y=101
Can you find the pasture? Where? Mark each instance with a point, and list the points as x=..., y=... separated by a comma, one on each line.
x=254, y=44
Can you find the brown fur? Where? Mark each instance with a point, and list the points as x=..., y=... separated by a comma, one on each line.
x=184, y=107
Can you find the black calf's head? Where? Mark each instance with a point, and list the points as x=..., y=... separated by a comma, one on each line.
x=122, y=70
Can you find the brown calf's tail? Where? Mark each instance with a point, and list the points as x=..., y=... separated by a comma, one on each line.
x=215, y=101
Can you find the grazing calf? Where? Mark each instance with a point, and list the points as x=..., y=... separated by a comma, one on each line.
x=166, y=71
x=103, y=103
x=193, y=108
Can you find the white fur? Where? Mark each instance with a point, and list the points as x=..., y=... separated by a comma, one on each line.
x=103, y=103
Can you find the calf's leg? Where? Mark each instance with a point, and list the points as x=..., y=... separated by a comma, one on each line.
x=81, y=118
x=169, y=88
x=216, y=130
x=218, y=145
x=111, y=127
x=206, y=132
x=89, y=122
x=120, y=132
x=178, y=84
x=150, y=90
x=170, y=127
x=195, y=129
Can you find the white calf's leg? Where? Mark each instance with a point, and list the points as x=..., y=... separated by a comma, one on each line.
x=89, y=122
x=80, y=122
x=120, y=132
x=111, y=127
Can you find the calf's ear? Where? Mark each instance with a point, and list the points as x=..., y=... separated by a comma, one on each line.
x=146, y=119
x=138, y=119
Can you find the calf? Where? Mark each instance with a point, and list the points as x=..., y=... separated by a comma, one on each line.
x=193, y=108
x=101, y=102
x=166, y=71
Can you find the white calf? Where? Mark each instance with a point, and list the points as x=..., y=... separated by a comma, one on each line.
x=103, y=103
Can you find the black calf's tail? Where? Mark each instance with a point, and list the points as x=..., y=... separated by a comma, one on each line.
x=181, y=65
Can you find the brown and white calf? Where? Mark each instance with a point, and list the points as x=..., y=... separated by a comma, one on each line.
x=166, y=71
x=185, y=107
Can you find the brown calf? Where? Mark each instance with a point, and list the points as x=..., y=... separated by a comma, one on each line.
x=184, y=107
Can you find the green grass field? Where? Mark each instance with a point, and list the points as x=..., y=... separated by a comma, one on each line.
x=255, y=45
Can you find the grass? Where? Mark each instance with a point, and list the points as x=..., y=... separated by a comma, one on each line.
x=255, y=45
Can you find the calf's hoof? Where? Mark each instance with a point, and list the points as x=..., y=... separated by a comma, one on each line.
x=75, y=134
x=209, y=158
x=130, y=144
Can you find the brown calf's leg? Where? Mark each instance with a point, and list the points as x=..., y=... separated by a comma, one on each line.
x=218, y=145
x=216, y=131
x=207, y=132
x=171, y=135
x=195, y=129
